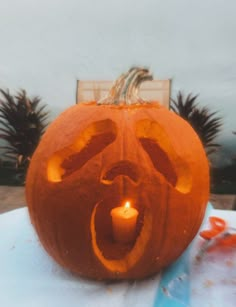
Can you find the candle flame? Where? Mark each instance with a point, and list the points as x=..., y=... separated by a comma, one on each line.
x=127, y=204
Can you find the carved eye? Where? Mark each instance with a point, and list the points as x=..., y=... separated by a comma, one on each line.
x=157, y=145
x=93, y=140
x=160, y=159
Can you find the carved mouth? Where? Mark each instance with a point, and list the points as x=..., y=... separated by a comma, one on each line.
x=121, y=168
x=118, y=256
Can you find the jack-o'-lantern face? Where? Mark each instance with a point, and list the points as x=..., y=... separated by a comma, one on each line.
x=148, y=136
x=95, y=157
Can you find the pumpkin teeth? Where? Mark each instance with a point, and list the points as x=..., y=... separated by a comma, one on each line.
x=121, y=168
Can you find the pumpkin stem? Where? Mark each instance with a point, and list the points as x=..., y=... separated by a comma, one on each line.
x=126, y=87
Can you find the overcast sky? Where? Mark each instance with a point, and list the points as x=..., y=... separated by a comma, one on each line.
x=46, y=45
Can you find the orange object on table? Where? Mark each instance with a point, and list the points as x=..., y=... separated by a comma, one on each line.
x=218, y=225
x=218, y=235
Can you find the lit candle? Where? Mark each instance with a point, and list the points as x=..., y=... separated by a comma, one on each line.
x=124, y=221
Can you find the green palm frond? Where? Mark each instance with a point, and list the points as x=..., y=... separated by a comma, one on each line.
x=206, y=123
x=184, y=107
x=22, y=123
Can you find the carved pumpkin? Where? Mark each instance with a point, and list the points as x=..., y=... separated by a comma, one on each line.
x=94, y=157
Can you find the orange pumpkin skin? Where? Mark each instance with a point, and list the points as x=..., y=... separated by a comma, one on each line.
x=94, y=157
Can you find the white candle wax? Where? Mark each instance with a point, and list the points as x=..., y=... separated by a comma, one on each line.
x=124, y=221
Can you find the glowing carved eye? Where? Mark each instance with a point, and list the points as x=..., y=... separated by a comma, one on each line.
x=160, y=159
x=93, y=140
x=156, y=143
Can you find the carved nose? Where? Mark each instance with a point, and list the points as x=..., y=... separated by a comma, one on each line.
x=121, y=168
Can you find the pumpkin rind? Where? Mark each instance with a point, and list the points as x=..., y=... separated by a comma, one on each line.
x=123, y=138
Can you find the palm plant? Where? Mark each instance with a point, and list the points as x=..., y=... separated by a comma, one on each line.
x=23, y=122
x=206, y=124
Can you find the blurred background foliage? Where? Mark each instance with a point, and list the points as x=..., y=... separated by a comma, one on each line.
x=23, y=121
x=208, y=125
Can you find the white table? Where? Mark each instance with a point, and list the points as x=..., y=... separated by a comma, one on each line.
x=30, y=278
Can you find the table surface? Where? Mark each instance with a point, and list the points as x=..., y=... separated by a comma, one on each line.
x=29, y=277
